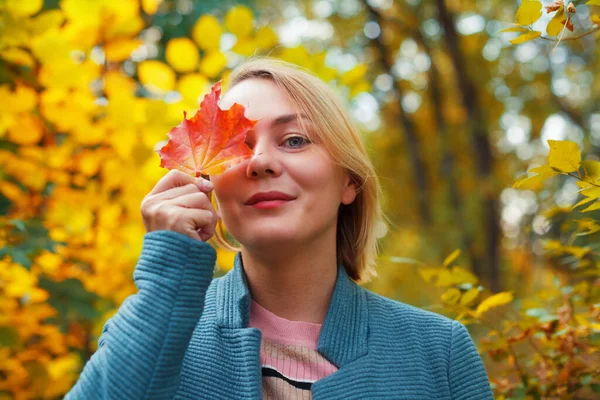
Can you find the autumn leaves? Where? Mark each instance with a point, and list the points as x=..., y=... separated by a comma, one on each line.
x=530, y=11
x=209, y=142
x=565, y=158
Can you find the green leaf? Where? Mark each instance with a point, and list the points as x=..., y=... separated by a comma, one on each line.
x=71, y=299
x=9, y=336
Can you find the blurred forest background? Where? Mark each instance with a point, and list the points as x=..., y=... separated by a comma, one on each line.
x=455, y=99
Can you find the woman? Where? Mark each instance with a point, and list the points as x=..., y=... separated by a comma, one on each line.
x=289, y=320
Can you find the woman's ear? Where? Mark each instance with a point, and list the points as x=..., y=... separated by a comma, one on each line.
x=349, y=192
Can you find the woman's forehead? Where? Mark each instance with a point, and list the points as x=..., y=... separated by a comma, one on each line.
x=262, y=98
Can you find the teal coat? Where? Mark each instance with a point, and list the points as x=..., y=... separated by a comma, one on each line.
x=185, y=335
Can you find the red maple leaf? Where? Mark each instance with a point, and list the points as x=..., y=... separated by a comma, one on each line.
x=209, y=142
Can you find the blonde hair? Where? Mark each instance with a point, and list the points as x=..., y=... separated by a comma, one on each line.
x=357, y=242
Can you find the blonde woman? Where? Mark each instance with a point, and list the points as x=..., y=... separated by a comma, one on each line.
x=289, y=321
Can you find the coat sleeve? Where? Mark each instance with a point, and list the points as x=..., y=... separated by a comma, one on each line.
x=466, y=374
x=141, y=349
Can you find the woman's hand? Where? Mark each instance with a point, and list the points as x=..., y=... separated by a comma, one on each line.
x=180, y=203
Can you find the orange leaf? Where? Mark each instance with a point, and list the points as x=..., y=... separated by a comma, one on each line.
x=209, y=142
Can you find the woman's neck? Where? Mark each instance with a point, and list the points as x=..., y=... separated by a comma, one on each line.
x=297, y=287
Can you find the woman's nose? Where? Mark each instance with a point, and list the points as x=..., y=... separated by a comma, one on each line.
x=262, y=163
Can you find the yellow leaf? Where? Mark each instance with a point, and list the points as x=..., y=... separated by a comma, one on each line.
x=555, y=26
x=151, y=6
x=24, y=99
x=564, y=155
x=225, y=259
x=354, y=75
x=182, y=54
x=595, y=19
x=192, y=86
x=592, y=170
x=493, y=301
x=584, y=201
x=544, y=169
x=266, y=38
x=17, y=56
x=50, y=19
x=207, y=32
x=361, y=87
x=529, y=11
x=461, y=275
x=156, y=76
x=577, y=251
x=28, y=131
x=514, y=29
x=593, y=192
x=428, y=273
x=116, y=84
x=445, y=278
x=451, y=257
x=526, y=37
x=595, y=206
x=533, y=182
x=451, y=296
x=239, y=21
x=213, y=63
x=23, y=8
x=120, y=49
x=469, y=296
x=245, y=46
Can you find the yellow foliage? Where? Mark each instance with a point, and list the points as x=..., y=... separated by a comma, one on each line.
x=192, y=87
x=529, y=11
x=555, y=26
x=182, y=54
x=207, y=32
x=494, y=301
x=225, y=259
x=23, y=8
x=564, y=155
x=239, y=20
x=213, y=63
x=526, y=37
x=156, y=76
x=151, y=6
x=451, y=296
x=451, y=257
x=469, y=297
x=120, y=49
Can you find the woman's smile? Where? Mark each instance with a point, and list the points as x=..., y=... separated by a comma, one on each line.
x=269, y=204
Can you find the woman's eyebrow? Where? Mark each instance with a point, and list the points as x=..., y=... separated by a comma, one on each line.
x=284, y=119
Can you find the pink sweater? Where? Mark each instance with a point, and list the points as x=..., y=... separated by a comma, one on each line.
x=288, y=353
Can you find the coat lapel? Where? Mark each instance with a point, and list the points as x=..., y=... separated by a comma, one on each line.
x=344, y=335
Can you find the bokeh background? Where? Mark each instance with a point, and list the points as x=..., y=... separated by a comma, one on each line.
x=454, y=105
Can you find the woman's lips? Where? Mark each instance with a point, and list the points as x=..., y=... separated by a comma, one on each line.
x=270, y=204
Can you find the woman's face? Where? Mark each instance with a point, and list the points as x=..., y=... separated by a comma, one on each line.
x=284, y=161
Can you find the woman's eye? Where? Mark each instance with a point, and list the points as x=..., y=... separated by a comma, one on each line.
x=300, y=140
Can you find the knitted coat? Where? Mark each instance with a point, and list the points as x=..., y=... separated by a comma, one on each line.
x=185, y=335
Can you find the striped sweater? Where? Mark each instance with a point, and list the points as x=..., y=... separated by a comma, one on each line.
x=290, y=362
x=186, y=335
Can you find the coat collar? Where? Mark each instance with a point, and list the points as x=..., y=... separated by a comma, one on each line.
x=344, y=333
